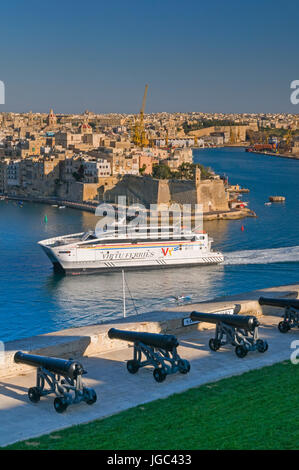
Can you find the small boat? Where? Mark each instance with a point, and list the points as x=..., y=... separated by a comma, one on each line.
x=268, y=203
x=277, y=198
x=54, y=205
x=180, y=299
x=239, y=204
x=61, y=207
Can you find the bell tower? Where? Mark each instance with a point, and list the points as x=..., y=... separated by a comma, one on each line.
x=51, y=119
x=197, y=176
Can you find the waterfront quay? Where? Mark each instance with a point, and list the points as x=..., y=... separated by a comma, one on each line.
x=105, y=359
x=60, y=202
x=280, y=155
x=230, y=214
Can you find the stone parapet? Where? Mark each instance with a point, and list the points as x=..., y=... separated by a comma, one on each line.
x=93, y=340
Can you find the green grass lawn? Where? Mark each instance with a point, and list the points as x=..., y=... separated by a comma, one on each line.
x=256, y=410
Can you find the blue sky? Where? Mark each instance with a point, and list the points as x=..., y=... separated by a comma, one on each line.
x=220, y=56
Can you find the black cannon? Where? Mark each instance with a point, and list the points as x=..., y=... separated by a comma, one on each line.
x=239, y=330
x=291, y=312
x=63, y=377
x=159, y=350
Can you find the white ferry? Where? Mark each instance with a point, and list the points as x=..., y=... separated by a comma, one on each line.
x=86, y=253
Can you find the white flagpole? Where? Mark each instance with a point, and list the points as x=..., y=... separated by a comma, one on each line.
x=124, y=293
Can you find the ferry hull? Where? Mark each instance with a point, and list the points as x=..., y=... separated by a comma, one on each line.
x=109, y=256
x=101, y=269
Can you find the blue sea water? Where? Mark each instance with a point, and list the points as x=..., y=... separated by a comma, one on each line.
x=34, y=300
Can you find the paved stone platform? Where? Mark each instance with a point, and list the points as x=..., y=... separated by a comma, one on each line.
x=118, y=390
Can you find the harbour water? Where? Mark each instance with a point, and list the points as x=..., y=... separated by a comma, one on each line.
x=34, y=300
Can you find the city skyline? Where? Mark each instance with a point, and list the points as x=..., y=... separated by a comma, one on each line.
x=195, y=57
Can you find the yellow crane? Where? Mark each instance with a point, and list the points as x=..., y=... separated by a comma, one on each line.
x=139, y=136
x=166, y=138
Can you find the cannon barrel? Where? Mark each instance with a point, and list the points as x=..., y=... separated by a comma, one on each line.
x=67, y=368
x=247, y=322
x=155, y=340
x=284, y=303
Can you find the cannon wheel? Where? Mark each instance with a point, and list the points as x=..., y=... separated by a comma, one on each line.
x=34, y=394
x=214, y=344
x=133, y=366
x=261, y=345
x=90, y=396
x=159, y=375
x=241, y=351
x=60, y=404
x=183, y=366
x=283, y=327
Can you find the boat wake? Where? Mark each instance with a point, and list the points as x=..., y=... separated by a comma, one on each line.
x=287, y=254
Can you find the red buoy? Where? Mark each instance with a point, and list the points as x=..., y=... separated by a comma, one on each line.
x=242, y=228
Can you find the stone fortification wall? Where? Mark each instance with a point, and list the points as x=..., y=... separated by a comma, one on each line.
x=146, y=190
x=182, y=192
x=212, y=195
